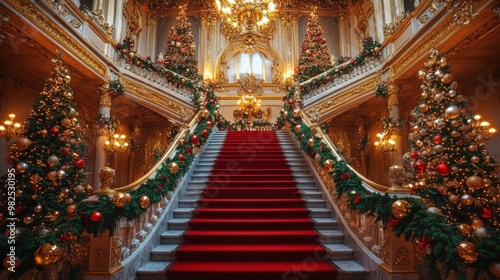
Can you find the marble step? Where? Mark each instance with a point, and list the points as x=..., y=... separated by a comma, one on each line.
x=313, y=212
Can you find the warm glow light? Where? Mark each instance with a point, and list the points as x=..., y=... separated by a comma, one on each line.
x=385, y=143
x=10, y=129
x=477, y=117
x=119, y=144
x=247, y=12
x=492, y=131
x=484, y=124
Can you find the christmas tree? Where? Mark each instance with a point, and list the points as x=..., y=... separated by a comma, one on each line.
x=455, y=176
x=179, y=51
x=40, y=193
x=314, y=55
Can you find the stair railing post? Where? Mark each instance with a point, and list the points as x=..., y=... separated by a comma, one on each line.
x=398, y=255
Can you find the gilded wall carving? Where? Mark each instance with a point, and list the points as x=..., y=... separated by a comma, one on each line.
x=132, y=12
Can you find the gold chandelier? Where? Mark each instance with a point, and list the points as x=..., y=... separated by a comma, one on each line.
x=249, y=103
x=250, y=12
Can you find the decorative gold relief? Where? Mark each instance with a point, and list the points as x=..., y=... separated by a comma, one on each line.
x=390, y=28
x=132, y=12
x=98, y=19
x=463, y=11
x=26, y=8
x=315, y=112
x=75, y=23
x=423, y=19
x=385, y=246
x=115, y=252
x=402, y=257
x=99, y=258
x=424, y=46
x=176, y=108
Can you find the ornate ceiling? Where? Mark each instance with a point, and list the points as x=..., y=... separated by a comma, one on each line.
x=162, y=6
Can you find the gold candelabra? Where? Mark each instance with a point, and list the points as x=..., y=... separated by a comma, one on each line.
x=249, y=103
x=10, y=129
x=385, y=144
x=250, y=12
x=117, y=144
x=483, y=127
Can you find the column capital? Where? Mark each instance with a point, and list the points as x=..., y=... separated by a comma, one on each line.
x=394, y=91
x=105, y=95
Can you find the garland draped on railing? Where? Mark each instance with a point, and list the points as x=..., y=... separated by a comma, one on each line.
x=407, y=216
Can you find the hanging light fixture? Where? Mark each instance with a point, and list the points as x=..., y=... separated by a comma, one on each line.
x=249, y=103
x=118, y=143
x=10, y=128
x=385, y=144
x=250, y=12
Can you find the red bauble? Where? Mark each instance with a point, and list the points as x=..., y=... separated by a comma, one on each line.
x=419, y=166
x=159, y=186
x=195, y=140
x=96, y=216
x=357, y=199
x=438, y=139
x=79, y=163
x=212, y=101
x=164, y=178
x=181, y=157
x=189, y=150
x=54, y=131
x=443, y=169
x=486, y=213
x=204, y=133
x=414, y=155
x=36, y=188
x=66, y=151
x=313, y=153
x=345, y=176
x=209, y=124
x=55, y=184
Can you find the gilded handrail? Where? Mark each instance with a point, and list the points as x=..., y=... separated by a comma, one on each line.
x=328, y=141
x=171, y=149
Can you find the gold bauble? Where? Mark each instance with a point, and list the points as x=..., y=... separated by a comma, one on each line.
x=317, y=158
x=453, y=199
x=475, y=159
x=475, y=182
x=452, y=112
x=79, y=189
x=310, y=142
x=328, y=165
x=119, y=199
x=38, y=208
x=447, y=78
x=419, y=143
x=476, y=223
x=174, y=167
x=464, y=229
x=47, y=254
x=487, y=182
x=66, y=122
x=52, y=175
x=144, y=201
x=494, y=269
x=296, y=113
x=400, y=208
x=467, y=251
x=423, y=107
x=71, y=209
x=467, y=199
x=28, y=220
x=89, y=189
x=455, y=133
x=35, y=178
x=23, y=143
x=297, y=128
x=472, y=148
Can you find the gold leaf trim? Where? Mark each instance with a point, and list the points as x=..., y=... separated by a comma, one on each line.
x=26, y=8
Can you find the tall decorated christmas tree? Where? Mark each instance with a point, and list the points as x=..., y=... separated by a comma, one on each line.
x=40, y=193
x=314, y=55
x=180, y=51
x=455, y=176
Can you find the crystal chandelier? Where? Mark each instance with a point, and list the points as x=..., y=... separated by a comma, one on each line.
x=385, y=144
x=250, y=12
x=249, y=103
x=117, y=144
x=10, y=129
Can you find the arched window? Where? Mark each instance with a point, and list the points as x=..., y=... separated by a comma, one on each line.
x=246, y=63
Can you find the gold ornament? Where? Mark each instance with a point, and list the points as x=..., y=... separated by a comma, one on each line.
x=447, y=78
x=467, y=199
x=28, y=220
x=475, y=182
x=328, y=165
x=38, y=208
x=52, y=175
x=119, y=199
x=47, y=254
x=174, y=167
x=144, y=201
x=475, y=159
x=476, y=223
x=296, y=113
x=400, y=208
x=128, y=197
x=66, y=122
x=23, y=143
x=204, y=113
x=423, y=107
x=452, y=112
x=79, y=189
x=467, y=251
x=89, y=189
x=297, y=128
x=310, y=142
x=453, y=199
x=464, y=229
x=494, y=269
x=71, y=209
x=35, y=178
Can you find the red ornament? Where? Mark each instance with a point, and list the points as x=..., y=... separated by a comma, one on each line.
x=36, y=188
x=204, y=133
x=54, y=131
x=414, y=155
x=438, y=139
x=313, y=153
x=189, y=150
x=66, y=151
x=345, y=176
x=419, y=166
x=96, y=216
x=486, y=213
x=209, y=124
x=443, y=169
x=159, y=186
x=393, y=222
x=164, y=178
x=195, y=140
x=212, y=101
x=79, y=163
x=55, y=185
x=181, y=157
x=357, y=199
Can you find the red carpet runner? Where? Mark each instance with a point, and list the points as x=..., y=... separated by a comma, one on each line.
x=251, y=223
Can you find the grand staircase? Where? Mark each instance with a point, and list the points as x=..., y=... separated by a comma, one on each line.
x=251, y=211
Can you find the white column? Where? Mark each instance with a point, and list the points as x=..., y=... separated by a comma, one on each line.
x=100, y=153
x=393, y=105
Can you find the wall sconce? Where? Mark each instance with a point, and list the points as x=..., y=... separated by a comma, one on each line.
x=10, y=129
x=117, y=144
x=385, y=144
